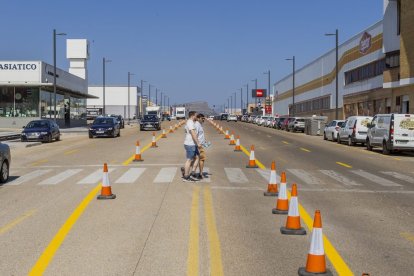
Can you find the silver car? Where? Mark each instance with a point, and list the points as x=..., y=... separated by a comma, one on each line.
x=5, y=160
x=331, y=130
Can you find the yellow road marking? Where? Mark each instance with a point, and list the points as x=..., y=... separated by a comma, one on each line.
x=193, y=246
x=129, y=160
x=216, y=266
x=305, y=149
x=407, y=236
x=70, y=151
x=285, y=142
x=15, y=222
x=344, y=164
x=338, y=263
x=39, y=162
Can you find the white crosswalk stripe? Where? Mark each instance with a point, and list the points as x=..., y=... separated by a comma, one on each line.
x=235, y=175
x=131, y=175
x=60, y=177
x=27, y=177
x=376, y=179
x=165, y=175
x=400, y=176
x=266, y=175
x=94, y=177
x=339, y=177
x=305, y=176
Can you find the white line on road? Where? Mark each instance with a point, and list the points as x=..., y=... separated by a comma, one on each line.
x=305, y=176
x=60, y=177
x=166, y=175
x=376, y=179
x=28, y=177
x=131, y=175
x=266, y=175
x=339, y=177
x=236, y=175
x=400, y=176
x=94, y=177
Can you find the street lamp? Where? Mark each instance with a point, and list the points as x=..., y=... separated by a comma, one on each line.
x=142, y=94
x=293, y=85
x=54, y=69
x=149, y=94
x=162, y=110
x=156, y=96
x=235, y=108
x=268, y=85
x=241, y=101
x=129, y=105
x=247, y=98
x=104, y=61
x=255, y=98
x=336, y=34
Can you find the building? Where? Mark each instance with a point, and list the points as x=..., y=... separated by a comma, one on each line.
x=26, y=90
x=375, y=72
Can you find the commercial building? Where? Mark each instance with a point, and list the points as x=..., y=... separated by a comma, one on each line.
x=26, y=90
x=375, y=72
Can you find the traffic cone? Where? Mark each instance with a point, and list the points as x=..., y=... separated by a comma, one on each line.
x=154, y=142
x=282, y=203
x=221, y=129
x=293, y=226
x=272, y=186
x=316, y=263
x=237, y=147
x=171, y=129
x=106, y=192
x=176, y=127
x=252, y=159
x=227, y=135
x=163, y=135
x=138, y=157
x=232, y=142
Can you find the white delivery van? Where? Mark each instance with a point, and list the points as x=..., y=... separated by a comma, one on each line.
x=180, y=113
x=354, y=130
x=391, y=132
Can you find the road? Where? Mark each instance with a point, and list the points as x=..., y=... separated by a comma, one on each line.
x=51, y=222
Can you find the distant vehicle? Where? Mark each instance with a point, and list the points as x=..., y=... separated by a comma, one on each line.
x=153, y=110
x=211, y=118
x=150, y=122
x=244, y=118
x=232, y=118
x=263, y=120
x=173, y=117
x=281, y=122
x=105, y=127
x=391, y=132
x=40, y=130
x=331, y=130
x=5, y=161
x=223, y=116
x=354, y=130
x=166, y=117
x=296, y=124
x=180, y=113
x=119, y=119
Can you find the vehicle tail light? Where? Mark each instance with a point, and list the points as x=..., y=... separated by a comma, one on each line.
x=337, y=128
x=392, y=129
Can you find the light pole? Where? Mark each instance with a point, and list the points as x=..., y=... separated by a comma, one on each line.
x=162, y=109
x=156, y=96
x=228, y=105
x=129, y=104
x=241, y=101
x=104, y=61
x=255, y=98
x=54, y=70
x=235, y=95
x=336, y=34
x=268, y=86
x=247, y=98
x=293, y=85
x=149, y=94
x=165, y=100
x=142, y=94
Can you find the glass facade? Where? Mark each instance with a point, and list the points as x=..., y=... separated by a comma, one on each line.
x=19, y=102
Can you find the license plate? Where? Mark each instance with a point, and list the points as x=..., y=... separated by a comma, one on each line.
x=148, y=125
x=100, y=132
x=33, y=134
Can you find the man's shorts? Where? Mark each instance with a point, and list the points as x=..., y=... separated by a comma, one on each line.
x=203, y=156
x=190, y=152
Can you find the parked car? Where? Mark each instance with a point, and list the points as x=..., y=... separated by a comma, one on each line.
x=331, y=130
x=232, y=118
x=296, y=124
x=280, y=122
x=105, y=127
x=262, y=121
x=275, y=123
x=391, y=132
x=285, y=124
x=40, y=130
x=5, y=161
x=244, y=118
x=268, y=121
x=150, y=122
x=354, y=130
x=119, y=119
x=252, y=118
x=173, y=117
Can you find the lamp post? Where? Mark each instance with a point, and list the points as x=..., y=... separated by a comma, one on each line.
x=235, y=108
x=156, y=96
x=142, y=94
x=54, y=70
x=255, y=98
x=293, y=85
x=228, y=105
x=104, y=61
x=247, y=98
x=162, y=109
x=149, y=94
x=241, y=101
x=129, y=104
x=336, y=34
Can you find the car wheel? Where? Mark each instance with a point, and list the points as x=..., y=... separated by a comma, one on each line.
x=90, y=136
x=333, y=137
x=49, y=138
x=58, y=137
x=338, y=139
x=350, y=142
x=4, y=173
x=369, y=147
x=324, y=136
x=385, y=149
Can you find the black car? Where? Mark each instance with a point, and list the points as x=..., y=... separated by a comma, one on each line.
x=105, y=127
x=40, y=130
x=150, y=121
x=224, y=117
x=166, y=117
x=119, y=119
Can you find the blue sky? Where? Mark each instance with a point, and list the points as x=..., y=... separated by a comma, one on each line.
x=191, y=50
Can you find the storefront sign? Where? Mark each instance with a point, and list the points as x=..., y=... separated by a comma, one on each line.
x=18, y=72
x=365, y=43
x=268, y=109
x=259, y=93
x=18, y=66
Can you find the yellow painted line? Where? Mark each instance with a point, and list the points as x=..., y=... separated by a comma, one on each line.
x=216, y=266
x=305, y=149
x=15, y=222
x=193, y=245
x=407, y=236
x=285, y=142
x=129, y=160
x=70, y=151
x=396, y=158
x=333, y=255
x=344, y=165
x=39, y=162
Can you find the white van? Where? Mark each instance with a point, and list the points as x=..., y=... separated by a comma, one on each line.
x=391, y=132
x=354, y=130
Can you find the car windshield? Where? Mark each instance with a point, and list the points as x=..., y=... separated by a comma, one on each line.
x=38, y=124
x=103, y=121
x=300, y=120
x=150, y=117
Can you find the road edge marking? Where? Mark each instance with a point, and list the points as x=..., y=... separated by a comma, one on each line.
x=16, y=221
x=194, y=242
x=344, y=165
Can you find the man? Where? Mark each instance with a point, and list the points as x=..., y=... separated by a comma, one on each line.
x=191, y=145
x=202, y=140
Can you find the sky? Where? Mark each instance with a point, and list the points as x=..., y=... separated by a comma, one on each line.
x=190, y=50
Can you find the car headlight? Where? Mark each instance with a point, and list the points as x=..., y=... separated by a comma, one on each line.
x=43, y=133
x=110, y=128
x=23, y=134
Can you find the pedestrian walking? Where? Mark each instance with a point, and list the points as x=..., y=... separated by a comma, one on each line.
x=201, y=149
x=191, y=145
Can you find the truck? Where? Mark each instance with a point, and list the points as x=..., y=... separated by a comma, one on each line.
x=180, y=113
x=153, y=110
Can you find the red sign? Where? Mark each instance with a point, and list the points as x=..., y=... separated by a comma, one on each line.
x=268, y=109
x=365, y=43
x=259, y=93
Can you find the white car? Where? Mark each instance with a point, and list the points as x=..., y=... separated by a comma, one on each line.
x=331, y=130
x=257, y=120
x=232, y=117
x=263, y=120
x=391, y=132
x=269, y=121
x=210, y=118
x=354, y=130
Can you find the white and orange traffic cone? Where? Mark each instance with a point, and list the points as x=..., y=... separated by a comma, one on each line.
x=175, y=127
x=282, y=203
x=293, y=226
x=106, y=191
x=272, y=186
x=316, y=262
x=171, y=129
x=221, y=129
x=138, y=157
x=237, y=147
x=252, y=159
x=154, y=141
x=227, y=135
x=163, y=135
x=232, y=142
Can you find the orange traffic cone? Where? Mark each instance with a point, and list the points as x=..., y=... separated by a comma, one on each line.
x=272, y=186
x=232, y=142
x=227, y=135
x=106, y=192
x=237, y=147
x=137, y=157
x=171, y=129
x=176, y=127
x=282, y=203
x=316, y=263
x=163, y=135
x=154, y=142
x=293, y=226
x=252, y=159
x=221, y=129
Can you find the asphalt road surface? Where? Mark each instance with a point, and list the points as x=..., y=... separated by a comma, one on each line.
x=51, y=222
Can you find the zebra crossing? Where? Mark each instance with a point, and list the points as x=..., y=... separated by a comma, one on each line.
x=130, y=175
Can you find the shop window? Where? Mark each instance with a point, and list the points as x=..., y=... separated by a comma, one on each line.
x=19, y=102
x=365, y=72
x=392, y=60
